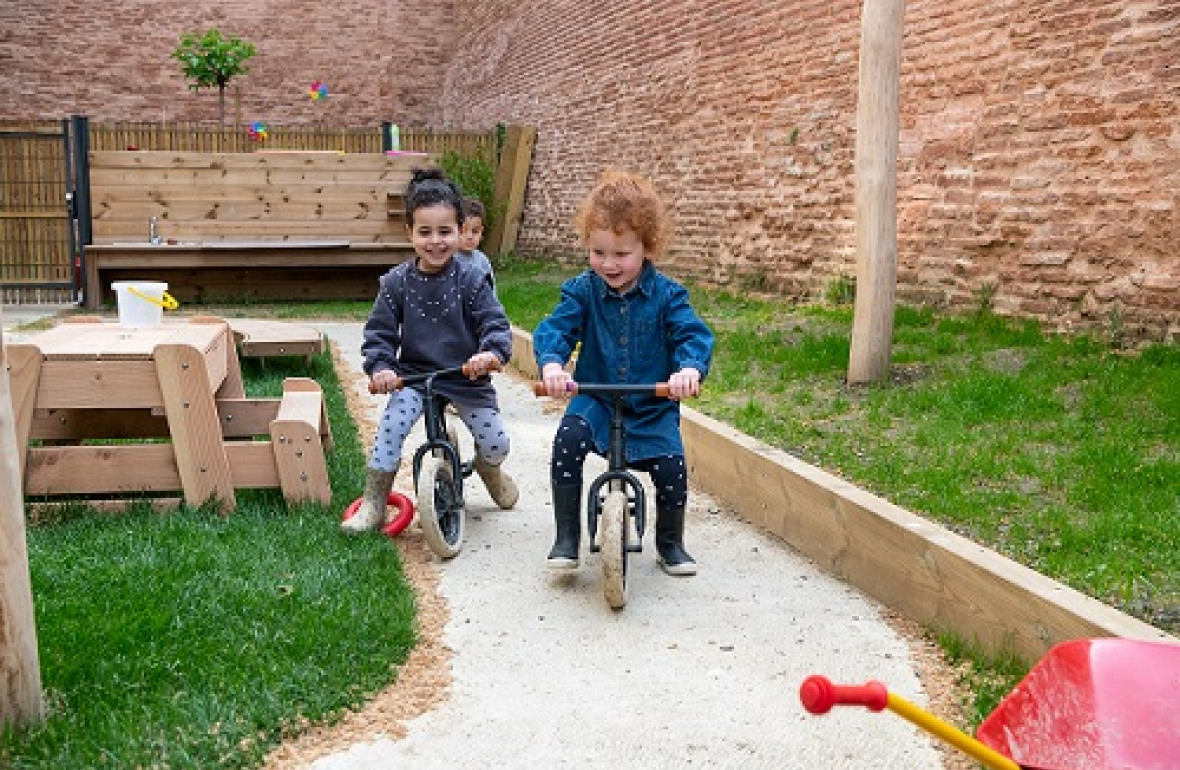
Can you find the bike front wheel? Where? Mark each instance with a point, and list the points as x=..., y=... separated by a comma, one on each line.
x=612, y=526
x=440, y=507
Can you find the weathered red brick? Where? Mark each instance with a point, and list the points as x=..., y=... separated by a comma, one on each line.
x=1034, y=135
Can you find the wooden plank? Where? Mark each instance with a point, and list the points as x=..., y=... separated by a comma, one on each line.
x=265, y=272
x=263, y=159
x=135, y=213
x=95, y=384
x=271, y=230
x=261, y=337
x=21, y=699
x=106, y=469
x=22, y=379
x=292, y=386
x=78, y=424
x=262, y=255
x=194, y=425
x=252, y=464
x=511, y=180
x=217, y=357
x=231, y=383
x=114, y=195
x=928, y=573
x=298, y=450
x=330, y=182
x=246, y=417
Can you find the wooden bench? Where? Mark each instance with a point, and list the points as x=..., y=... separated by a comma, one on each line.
x=262, y=338
x=265, y=226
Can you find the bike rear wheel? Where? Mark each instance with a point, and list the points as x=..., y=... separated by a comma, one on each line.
x=440, y=507
x=613, y=526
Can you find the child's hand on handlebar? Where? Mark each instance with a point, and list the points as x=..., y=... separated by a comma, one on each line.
x=481, y=364
x=384, y=381
x=685, y=383
x=558, y=383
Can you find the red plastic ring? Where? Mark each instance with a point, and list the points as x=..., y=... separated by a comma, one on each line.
x=396, y=525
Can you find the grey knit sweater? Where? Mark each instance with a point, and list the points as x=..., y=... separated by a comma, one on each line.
x=422, y=322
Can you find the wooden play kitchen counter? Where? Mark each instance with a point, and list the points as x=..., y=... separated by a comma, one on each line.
x=80, y=389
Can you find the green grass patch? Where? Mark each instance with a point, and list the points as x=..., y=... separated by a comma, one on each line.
x=194, y=640
x=988, y=678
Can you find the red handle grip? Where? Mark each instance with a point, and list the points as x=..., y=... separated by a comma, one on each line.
x=818, y=694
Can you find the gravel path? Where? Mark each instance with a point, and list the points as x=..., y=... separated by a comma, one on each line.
x=694, y=672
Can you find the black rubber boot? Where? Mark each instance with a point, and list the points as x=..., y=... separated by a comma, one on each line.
x=567, y=515
x=670, y=542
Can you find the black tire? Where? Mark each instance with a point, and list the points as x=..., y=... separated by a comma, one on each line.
x=440, y=507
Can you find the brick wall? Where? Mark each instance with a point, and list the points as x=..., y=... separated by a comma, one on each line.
x=1038, y=164
x=381, y=60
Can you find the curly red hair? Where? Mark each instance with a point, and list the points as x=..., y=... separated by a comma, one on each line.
x=624, y=201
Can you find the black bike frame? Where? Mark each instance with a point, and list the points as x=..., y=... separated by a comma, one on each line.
x=617, y=464
x=436, y=429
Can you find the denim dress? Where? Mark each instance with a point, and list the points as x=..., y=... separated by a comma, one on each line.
x=640, y=337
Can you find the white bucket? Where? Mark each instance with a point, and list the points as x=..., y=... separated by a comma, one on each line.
x=142, y=303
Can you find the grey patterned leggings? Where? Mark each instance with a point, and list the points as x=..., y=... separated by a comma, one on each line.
x=403, y=410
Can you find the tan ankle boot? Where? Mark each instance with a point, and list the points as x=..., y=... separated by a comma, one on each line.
x=499, y=484
x=371, y=513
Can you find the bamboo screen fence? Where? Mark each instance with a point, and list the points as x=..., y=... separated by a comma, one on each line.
x=206, y=138
x=34, y=221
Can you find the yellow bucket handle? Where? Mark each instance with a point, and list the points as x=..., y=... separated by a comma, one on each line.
x=168, y=302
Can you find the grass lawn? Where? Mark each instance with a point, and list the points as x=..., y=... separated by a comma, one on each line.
x=193, y=640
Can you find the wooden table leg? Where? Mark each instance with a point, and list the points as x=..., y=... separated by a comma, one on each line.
x=24, y=362
x=194, y=425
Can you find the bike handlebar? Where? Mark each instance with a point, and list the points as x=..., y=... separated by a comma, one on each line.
x=819, y=695
x=603, y=389
x=413, y=379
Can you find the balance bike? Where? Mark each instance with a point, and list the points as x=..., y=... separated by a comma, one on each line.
x=616, y=506
x=439, y=470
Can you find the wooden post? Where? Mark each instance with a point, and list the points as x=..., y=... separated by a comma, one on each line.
x=511, y=177
x=876, y=189
x=21, y=700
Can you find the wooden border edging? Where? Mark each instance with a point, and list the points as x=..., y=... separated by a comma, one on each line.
x=921, y=569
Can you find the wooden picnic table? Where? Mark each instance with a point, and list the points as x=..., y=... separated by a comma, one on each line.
x=83, y=387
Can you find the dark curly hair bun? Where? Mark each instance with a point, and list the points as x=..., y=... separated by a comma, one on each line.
x=430, y=187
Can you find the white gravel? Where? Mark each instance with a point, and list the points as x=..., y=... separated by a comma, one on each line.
x=694, y=672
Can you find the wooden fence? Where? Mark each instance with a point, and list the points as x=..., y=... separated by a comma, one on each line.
x=196, y=137
x=38, y=246
x=35, y=254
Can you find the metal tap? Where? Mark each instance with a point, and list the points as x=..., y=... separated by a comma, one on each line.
x=153, y=237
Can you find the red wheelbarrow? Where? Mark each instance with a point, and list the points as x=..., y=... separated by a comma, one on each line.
x=1089, y=704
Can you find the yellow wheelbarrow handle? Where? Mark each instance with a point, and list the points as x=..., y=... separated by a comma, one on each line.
x=168, y=302
x=819, y=695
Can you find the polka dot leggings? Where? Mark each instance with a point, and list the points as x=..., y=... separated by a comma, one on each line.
x=404, y=408
x=574, y=441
